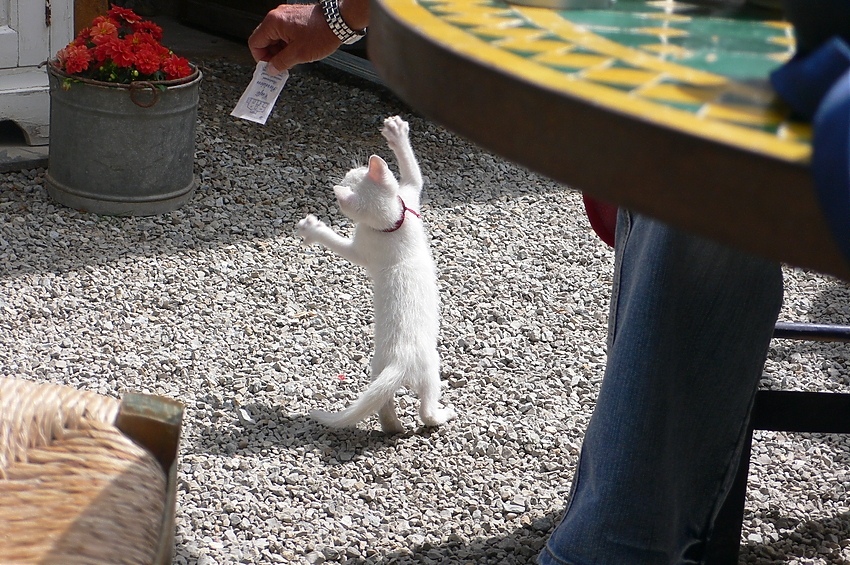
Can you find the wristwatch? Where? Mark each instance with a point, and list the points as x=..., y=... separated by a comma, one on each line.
x=345, y=34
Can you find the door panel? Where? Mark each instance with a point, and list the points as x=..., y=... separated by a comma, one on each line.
x=8, y=34
x=32, y=31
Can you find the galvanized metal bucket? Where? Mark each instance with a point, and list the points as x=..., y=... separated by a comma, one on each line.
x=125, y=150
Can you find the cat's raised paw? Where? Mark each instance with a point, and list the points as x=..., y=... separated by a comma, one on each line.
x=395, y=130
x=308, y=227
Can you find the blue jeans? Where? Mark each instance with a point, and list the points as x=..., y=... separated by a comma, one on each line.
x=688, y=333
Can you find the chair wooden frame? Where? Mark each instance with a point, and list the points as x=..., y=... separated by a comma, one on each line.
x=781, y=411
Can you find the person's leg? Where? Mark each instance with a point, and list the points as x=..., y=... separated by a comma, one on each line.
x=690, y=325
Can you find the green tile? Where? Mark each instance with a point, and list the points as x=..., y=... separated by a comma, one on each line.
x=604, y=18
x=735, y=65
x=630, y=38
x=690, y=108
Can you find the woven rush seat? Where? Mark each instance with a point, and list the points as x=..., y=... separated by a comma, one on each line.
x=73, y=487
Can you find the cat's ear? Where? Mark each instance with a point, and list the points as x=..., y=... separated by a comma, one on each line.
x=378, y=170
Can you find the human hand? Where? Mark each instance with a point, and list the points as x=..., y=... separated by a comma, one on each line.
x=292, y=34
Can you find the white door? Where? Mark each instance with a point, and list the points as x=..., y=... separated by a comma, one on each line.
x=31, y=31
x=8, y=34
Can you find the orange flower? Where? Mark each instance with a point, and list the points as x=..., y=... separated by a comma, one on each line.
x=123, y=48
x=116, y=51
x=103, y=30
x=83, y=38
x=76, y=58
x=176, y=67
x=148, y=28
x=125, y=15
x=147, y=58
x=103, y=53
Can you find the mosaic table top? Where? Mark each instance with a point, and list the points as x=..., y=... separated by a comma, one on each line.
x=659, y=106
x=679, y=65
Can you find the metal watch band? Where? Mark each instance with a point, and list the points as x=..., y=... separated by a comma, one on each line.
x=345, y=34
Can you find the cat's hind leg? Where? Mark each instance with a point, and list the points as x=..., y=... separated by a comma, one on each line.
x=389, y=419
x=430, y=411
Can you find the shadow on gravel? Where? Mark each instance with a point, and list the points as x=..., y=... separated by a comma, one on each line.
x=519, y=547
x=523, y=544
x=255, y=182
x=273, y=426
x=825, y=540
x=832, y=307
x=832, y=304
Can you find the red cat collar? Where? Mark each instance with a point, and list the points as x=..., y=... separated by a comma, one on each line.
x=404, y=210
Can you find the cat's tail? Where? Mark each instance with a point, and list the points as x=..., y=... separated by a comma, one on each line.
x=380, y=392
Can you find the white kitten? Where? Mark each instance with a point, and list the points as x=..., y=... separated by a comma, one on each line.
x=390, y=242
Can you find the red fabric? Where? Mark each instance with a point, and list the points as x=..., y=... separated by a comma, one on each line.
x=603, y=218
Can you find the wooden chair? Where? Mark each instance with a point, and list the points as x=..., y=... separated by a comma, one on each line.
x=85, y=478
x=784, y=411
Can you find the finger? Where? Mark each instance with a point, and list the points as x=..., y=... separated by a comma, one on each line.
x=279, y=63
x=260, y=41
x=272, y=70
x=258, y=55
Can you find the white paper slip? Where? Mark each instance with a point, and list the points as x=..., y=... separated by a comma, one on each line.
x=258, y=99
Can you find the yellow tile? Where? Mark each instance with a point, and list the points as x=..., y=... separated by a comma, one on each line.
x=779, y=24
x=506, y=30
x=783, y=40
x=623, y=77
x=678, y=18
x=752, y=116
x=796, y=131
x=670, y=7
x=464, y=5
x=680, y=94
x=661, y=31
x=667, y=50
x=476, y=19
x=781, y=57
x=531, y=44
x=482, y=11
x=571, y=60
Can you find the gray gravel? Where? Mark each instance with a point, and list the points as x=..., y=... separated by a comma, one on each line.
x=219, y=306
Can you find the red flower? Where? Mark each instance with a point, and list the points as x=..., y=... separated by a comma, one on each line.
x=100, y=19
x=137, y=39
x=122, y=53
x=121, y=47
x=148, y=28
x=176, y=67
x=83, y=38
x=125, y=15
x=75, y=58
x=147, y=58
x=103, y=30
x=117, y=51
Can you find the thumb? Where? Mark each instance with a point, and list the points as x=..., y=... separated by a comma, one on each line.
x=272, y=68
x=284, y=60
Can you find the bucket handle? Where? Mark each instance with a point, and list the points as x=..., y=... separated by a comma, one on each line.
x=141, y=85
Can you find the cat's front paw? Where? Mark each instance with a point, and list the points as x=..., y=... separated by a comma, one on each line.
x=395, y=130
x=308, y=228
